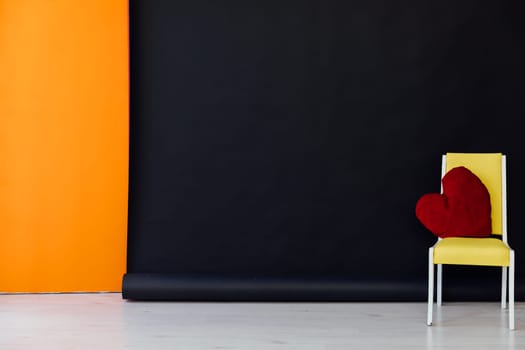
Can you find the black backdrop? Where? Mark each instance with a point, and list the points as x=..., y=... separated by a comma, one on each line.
x=278, y=148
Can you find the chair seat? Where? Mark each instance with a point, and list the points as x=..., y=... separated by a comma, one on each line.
x=471, y=251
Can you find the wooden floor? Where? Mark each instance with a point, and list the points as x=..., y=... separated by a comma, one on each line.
x=106, y=321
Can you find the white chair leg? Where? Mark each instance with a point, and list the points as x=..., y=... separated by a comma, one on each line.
x=511, y=290
x=504, y=270
x=439, y=283
x=430, y=285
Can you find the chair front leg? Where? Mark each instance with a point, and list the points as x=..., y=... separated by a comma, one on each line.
x=430, y=285
x=511, y=290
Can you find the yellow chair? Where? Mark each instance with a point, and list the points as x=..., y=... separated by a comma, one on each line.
x=491, y=169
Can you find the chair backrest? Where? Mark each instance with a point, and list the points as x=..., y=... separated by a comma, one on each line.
x=491, y=170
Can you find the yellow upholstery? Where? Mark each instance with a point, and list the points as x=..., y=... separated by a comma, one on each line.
x=471, y=251
x=491, y=170
x=486, y=166
x=477, y=251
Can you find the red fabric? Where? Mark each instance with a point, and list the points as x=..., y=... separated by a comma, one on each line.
x=462, y=210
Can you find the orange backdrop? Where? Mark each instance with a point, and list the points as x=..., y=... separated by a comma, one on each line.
x=63, y=144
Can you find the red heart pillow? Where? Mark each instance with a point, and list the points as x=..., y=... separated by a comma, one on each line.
x=462, y=210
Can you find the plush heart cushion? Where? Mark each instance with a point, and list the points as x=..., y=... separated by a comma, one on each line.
x=463, y=210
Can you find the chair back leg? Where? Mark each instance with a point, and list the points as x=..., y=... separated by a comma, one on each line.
x=439, y=287
x=504, y=270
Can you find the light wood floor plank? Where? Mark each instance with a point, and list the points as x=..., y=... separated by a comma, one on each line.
x=98, y=321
